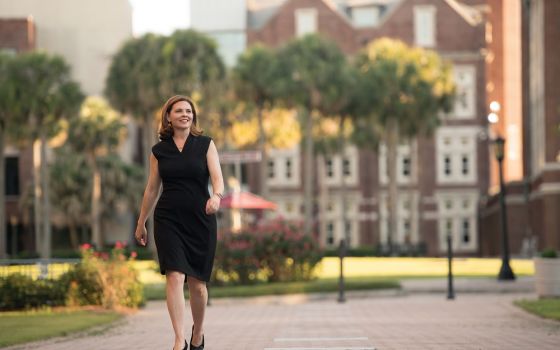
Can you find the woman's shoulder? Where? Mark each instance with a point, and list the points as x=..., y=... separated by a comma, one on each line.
x=159, y=147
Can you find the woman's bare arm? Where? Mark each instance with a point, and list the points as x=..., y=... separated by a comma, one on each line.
x=151, y=193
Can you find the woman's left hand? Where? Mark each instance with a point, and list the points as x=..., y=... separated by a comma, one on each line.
x=212, y=205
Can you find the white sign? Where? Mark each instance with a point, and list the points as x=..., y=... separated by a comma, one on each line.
x=232, y=157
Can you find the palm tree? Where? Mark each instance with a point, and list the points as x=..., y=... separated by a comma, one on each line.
x=97, y=132
x=46, y=95
x=308, y=71
x=70, y=190
x=403, y=90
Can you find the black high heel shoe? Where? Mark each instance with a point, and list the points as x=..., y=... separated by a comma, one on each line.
x=192, y=347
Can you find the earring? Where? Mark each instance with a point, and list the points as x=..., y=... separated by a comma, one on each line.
x=169, y=123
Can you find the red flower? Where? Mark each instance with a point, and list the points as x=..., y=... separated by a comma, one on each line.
x=119, y=245
x=86, y=246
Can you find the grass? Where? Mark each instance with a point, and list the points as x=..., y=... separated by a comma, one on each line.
x=387, y=268
x=157, y=291
x=26, y=326
x=547, y=308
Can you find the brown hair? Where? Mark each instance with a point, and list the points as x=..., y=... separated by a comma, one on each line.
x=165, y=128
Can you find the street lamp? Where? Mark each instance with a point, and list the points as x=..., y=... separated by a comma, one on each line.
x=505, y=271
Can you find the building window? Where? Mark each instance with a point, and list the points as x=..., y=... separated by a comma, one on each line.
x=288, y=168
x=466, y=234
x=306, y=21
x=346, y=167
x=457, y=155
x=447, y=165
x=348, y=232
x=466, y=204
x=449, y=227
x=330, y=233
x=271, y=169
x=364, y=17
x=465, y=98
x=425, y=26
x=329, y=167
x=406, y=166
x=12, y=176
x=465, y=165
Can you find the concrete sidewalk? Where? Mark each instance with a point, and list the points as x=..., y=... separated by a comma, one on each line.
x=380, y=321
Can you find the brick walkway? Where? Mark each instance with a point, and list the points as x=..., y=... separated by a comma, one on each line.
x=380, y=321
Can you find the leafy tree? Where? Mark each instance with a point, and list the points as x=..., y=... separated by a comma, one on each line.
x=45, y=95
x=148, y=70
x=308, y=73
x=70, y=185
x=402, y=91
x=97, y=132
x=253, y=78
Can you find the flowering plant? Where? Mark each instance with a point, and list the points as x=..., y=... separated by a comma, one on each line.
x=104, y=278
x=274, y=251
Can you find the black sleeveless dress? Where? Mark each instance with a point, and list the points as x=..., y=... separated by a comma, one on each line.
x=185, y=235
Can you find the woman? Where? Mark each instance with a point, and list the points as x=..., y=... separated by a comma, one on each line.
x=184, y=220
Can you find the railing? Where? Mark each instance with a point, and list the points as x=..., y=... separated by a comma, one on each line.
x=36, y=268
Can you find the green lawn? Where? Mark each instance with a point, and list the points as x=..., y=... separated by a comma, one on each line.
x=548, y=308
x=157, y=291
x=25, y=326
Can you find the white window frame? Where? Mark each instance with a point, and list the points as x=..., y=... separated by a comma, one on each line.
x=331, y=211
x=456, y=142
x=456, y=215
x=302, y=28
x=407, y=210
x=352, y=155
x=403, y=152
x=465, y=82
x=425, y=36
x=280, y=157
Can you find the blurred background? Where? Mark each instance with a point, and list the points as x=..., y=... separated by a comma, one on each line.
x=374, y=121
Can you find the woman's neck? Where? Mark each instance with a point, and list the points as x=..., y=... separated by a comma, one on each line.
x=181, y=134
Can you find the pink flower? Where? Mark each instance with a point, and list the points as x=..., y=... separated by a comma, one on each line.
x=85, y=246
x=119, y=245
x=133, y=255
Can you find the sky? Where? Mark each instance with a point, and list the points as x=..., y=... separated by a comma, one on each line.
x=159, y=16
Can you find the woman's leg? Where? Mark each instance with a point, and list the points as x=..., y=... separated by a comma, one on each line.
x=176, y=305
x=198, y=299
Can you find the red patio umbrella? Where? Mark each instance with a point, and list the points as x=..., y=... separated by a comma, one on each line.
x=246, y=200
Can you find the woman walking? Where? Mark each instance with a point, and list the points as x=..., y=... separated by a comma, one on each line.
x=184, y=217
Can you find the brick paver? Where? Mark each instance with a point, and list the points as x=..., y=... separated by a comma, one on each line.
x=378, y=321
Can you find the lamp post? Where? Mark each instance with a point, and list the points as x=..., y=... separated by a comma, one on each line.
x=505, y=271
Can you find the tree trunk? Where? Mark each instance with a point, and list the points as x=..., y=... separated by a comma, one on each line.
x=342, y=147
x=264, y=160
x=37, y=196
x=392, y=138
x=46, y=217
x=74, y=240
x=97, y=238
x=3, y=231
x=148, y=140
x=308, y=172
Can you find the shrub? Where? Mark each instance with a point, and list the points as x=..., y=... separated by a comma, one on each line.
x=22, y=292
x=106, y=279
x=549, y=253
x=272, y=252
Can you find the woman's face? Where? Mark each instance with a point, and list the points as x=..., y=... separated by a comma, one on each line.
x=181, y=115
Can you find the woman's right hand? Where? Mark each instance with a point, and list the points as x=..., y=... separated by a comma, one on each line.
x=141, y=234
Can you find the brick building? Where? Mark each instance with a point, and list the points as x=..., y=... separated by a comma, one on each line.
x=441, y=179
x=533, y=197
x=87, y=44
x=16, y=36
